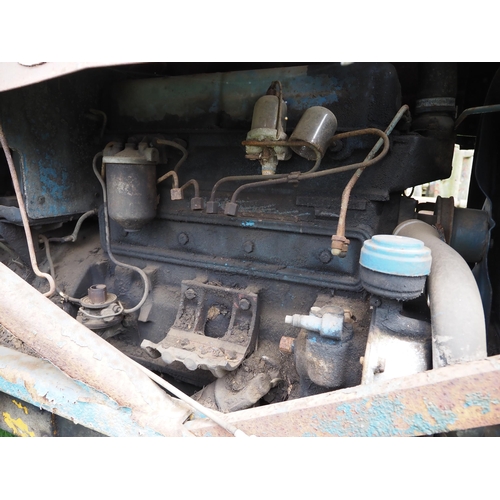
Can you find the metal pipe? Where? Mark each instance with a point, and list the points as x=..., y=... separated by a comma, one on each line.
x=74, y=235
x=238, y=178
x=312, y=174
x=194, y=183
x=457, y=316
x=24, y=216
x=65, y=296
x=84, y=356
x=173, y=174
x=347, y=190
x=177, y=146
x=494, y=108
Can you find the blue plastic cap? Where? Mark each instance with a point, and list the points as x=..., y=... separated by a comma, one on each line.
x=396, y=255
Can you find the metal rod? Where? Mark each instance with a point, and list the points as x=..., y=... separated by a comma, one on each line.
x=24, y=216
x=494, y=108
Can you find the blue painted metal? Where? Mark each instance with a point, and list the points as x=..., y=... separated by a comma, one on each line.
x=41, y=384
x=396, y=255
x=54, y=143
x=195, y=101
x=447, y=399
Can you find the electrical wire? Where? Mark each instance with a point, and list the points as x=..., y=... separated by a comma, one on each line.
x=141, y=273
x=24, y=216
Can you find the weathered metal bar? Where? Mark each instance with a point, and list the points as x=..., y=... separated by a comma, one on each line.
x=446, y=399
x=84, y=356
x=33, y=380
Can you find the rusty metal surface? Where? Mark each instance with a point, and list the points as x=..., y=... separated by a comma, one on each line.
x=446, y=399
x=35, y=381
x=82, y=355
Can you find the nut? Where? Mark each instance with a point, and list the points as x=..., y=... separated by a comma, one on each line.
x=197, y=203
x=340, y=245
x=212, y=207
x=190, y=294
x=176, y=194
x=231, y=209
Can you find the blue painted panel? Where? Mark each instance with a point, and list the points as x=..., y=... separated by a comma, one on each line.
x=38, y=382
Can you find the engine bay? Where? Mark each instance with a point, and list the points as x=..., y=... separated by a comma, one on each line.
x=246, y=233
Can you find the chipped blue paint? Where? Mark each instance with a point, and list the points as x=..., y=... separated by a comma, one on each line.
x=309, y=434
x=383, y=417
x=39, y=383
x=377, y=418
x=248, y=223
x=482, y=401
x=443, y=420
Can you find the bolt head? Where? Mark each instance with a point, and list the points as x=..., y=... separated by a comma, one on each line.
x=244, y=304
x=183, y=238
x=248, y=246
x=190, y=294
x=325, y=256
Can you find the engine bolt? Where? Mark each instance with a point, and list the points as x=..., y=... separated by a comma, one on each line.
x=183, y=238
x=325, y=256
x=248, y=246
x=190, y=294
x=244, y=304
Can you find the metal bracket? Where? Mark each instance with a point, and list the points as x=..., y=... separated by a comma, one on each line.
x=215, y=329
